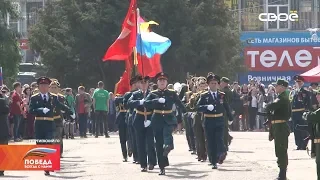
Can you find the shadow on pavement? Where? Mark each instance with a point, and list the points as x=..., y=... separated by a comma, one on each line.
x=13, y=177
x=221, y=169
x=184, y=164
x=68, y=161
x=241, y=151
x=74, y=157
x=178, y=173
x=70, y=172
x=64, y=177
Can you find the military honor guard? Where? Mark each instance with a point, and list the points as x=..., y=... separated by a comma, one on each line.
x=314, y=119
x=300, y=104
x=224, y=86
x=213, y=104
x=201, y=84
x=135, y=83
x=280, y=112
x=122, y=126
x=58, y=117
x=42, y=106
x=143, y=130
x=163, y=120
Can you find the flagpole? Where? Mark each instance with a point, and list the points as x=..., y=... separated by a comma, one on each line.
x=135, y=52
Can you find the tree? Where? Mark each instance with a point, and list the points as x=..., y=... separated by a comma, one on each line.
x=72, y=37
x=9, y=48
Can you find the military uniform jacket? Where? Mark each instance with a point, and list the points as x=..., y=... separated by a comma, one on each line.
x=57, y=111
x=37, y=105
x=142, y=113
x=314, y=118
x=220, y=104
x=130, y=113
x=301, y=100
x=152, y=102
x=121, y=111
x=280, y=108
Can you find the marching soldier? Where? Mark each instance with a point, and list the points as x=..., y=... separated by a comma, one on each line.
x=197, y=123
x=42, y=106
x=314, y=118
x=213, y=104
x=122, y=126
x=135, y=83
x=225, y=88
x=188, y=121
x=280, y=112
x=300, y=104
x=58, y=118
x=315, y=104
x=163, y=120
x=141, y=123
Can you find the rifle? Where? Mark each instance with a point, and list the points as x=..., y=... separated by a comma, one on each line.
x=307, y=128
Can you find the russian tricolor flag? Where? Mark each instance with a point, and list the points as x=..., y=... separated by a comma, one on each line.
x=150, y=46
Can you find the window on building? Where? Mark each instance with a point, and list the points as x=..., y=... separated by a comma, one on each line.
x=250, y=10
x=276, y=7
x=306, y=14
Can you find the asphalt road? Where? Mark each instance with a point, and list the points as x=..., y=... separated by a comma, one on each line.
x=251, y=157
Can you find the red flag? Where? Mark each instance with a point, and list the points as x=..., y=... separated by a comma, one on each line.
x=149, y=66
x=122, y=47
x=123, y=85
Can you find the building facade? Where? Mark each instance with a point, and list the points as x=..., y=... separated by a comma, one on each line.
x=28, y=11
x=277, y=47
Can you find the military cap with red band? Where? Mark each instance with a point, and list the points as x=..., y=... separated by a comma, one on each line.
x=212, y=77
x=298, y=78
x=43, y=80
x=161, y=75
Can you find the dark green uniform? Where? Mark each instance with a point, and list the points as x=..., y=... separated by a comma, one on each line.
x=226, y=136
x=314, y=118
x=58, y=121
x=198, y=127
x=280, y=111
x=163, y=121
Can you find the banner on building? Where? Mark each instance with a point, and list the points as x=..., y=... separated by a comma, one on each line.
x=30, y=157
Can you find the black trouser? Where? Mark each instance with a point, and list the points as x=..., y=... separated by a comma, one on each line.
x=3, y=142
x=123, y=136
x=252, y=116
x=101, y=119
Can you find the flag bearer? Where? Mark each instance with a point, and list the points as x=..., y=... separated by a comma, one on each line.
x=141, y=123
x=163, y=121
x=42, y=106
x=213, y=105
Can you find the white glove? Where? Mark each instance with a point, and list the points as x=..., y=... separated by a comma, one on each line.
x=141, y=102
x=147, y=123
x=305, y=116
x=264, y=105
x=162, y=100
x=230, y=122
x=73, y=116
x=45, y=110
x=193, y=115
x=210, y=107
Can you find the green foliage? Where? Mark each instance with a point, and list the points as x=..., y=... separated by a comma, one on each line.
x=9, y=49
x=72, y=37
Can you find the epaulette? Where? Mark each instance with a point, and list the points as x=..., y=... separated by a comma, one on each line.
x=205, y=92
x=221, y=92
x=171, y=90
x=154, y=91
x=36, y=94
x=60, y=95
x=53, y=94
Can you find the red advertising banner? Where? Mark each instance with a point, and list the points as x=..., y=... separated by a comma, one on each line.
x=281, y=58
x=23, y=43
x=30, y=157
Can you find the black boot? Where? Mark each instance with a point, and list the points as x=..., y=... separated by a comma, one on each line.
x=282, y=174
x=162, y=172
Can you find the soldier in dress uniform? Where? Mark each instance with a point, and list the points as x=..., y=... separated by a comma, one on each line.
x=198, y=129
x=135, y=83
x=58, y=117
x=141, y=123
x=314, y=107
x=42, y=106
x=188, y=120
x=300, y=104
x=314, y=118
x=280, y=112
x=122, y=126
x=163, y=121
x=228, y=93
x=213, y=104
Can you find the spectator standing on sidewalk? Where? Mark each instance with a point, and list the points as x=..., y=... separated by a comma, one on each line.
x=83, y=104
x=112, y=113
x=100, y=106
x=16, y=110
